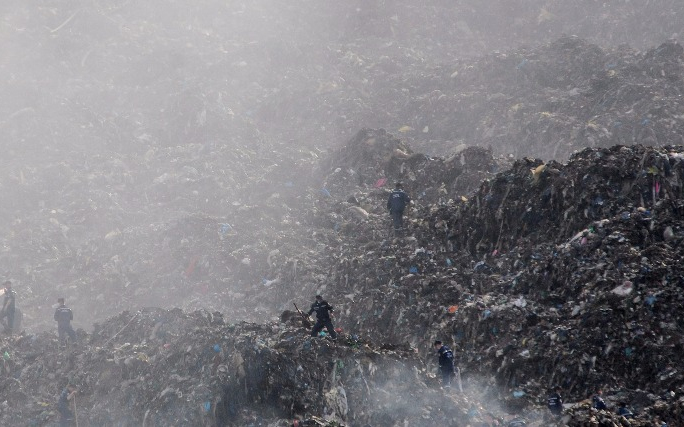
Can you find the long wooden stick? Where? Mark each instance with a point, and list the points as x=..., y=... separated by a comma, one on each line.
x=458, y=377
x=121, y=330
x=75, y=411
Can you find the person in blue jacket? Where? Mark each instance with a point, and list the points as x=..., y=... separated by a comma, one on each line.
x=323, y=312
x=63, y=317
x=555, y=402
x=446, y=363
x=598, y=402
x=66, y=415
x=624, y=410
x=396, y=203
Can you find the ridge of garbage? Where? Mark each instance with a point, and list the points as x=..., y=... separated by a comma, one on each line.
x=538, y=272
x=608, y=271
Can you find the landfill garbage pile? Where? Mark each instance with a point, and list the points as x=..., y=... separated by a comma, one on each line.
x=126, y=232
x=167, y=367
x=169, y=225
x=376, y=159
x=546, y=102
x=536, y=202
x=549, y=274
x=610, y=286
x=189, y=161
x=549, y=101
x=586, y=300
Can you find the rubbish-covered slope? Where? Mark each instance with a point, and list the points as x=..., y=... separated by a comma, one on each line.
x=160, y=160
x=228, y=228
x=549, y=274
x=547, y=101
x=586, y=300
x=177, y=157
x=164, y=367
x=535, y=202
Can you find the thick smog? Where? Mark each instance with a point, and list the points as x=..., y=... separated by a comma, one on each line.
x=360, y=213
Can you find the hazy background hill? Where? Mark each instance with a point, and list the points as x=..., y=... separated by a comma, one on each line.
x=124, y=122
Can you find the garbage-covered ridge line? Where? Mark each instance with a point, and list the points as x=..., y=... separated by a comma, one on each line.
x=588, y=299
x=183, y=177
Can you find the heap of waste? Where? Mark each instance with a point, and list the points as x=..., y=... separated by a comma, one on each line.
x=550, y=101
x=181, y=188
x=550, y=274
x=547, y=274
x=166, y=367
x=208, y=203
x=141, y=89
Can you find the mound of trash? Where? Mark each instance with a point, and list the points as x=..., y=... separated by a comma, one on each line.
x=316, y=73
x=549, y=274
x=178, y=157
x=537, y=202
x=376, y=159
x=548, y=101
x=167, y=367
x=146, y=189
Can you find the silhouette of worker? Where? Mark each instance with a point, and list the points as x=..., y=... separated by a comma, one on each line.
x=323, y=312
x=555, y=402
x=66, y=415
x=396, y=203
x=446, y=363
x=63, y=317
x=8, y=307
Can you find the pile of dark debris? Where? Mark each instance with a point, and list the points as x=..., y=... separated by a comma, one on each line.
x=547, y=274
x=173, y=186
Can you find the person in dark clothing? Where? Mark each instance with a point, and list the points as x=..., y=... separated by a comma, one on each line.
x=8, y=307
x=63, y=317
x=555, y=402
x=323, y=312
x=446, y=363
x=396, y=203
x=66, y=415
x=597, y=401
x=625, y=411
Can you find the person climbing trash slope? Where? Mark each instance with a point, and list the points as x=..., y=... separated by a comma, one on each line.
x=446, y=363
x=555, y=402
x=597, y=401
x=63, y=317
x=323, y=312
x=396, y=204
x=66, y=415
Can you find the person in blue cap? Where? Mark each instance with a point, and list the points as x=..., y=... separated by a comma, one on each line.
x=396, y=203
x=323, y=313
x=446, y=363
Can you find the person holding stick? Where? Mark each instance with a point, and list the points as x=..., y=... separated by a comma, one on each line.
x=67, y=417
